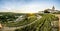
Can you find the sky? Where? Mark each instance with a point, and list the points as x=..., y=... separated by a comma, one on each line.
x=28, y=6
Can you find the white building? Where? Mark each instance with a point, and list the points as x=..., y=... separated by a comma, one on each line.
x=52, y=10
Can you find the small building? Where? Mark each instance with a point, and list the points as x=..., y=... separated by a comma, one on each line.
x=41, y=12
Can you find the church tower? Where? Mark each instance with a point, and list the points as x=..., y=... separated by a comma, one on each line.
x=53, y=8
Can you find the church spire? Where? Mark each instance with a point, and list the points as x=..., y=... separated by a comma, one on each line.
x=53, y=8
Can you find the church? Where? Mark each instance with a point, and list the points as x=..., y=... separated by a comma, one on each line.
x=52, y=10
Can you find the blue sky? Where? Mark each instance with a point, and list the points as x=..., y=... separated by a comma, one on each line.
x=27, y=6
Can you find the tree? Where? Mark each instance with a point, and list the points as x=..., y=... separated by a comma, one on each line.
x=46, y=11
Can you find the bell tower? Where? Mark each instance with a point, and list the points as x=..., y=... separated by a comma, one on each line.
x=53, y=8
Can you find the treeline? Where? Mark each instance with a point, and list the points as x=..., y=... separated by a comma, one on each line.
x=8, y=16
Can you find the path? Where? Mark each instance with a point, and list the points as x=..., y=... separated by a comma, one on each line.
x=59, y=20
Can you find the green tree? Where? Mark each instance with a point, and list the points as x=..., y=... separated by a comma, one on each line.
x=46, y=11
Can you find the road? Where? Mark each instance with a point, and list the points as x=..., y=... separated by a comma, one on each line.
x=13, y=28
x=59, y=20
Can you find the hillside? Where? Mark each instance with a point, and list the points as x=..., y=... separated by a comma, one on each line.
x=31, y=22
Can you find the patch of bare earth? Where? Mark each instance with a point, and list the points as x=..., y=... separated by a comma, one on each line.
x=59, y=20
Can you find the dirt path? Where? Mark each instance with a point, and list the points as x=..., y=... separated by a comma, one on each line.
x=59, y=20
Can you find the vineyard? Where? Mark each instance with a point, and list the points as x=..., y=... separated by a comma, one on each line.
x=43, y=24
x=21, y=23
x=31, y=22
